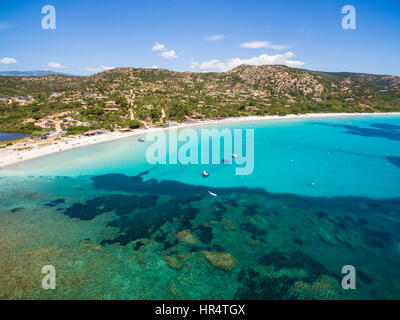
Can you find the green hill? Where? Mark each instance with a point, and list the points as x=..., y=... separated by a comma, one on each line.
x=111, y=98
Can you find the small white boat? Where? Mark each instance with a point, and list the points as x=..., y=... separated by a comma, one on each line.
x=205, y=174
x=235, y=156
x=213, y=194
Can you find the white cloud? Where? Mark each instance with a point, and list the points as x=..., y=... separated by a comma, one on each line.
x=167, y=54
x=264, y=59
x=106, y=67
x=171, y=54
x=154, y=67
x=294, y=63
x=215, y=37
x=158, y=47
x=194, y=64
x=263, y=44
x=56, y=65
x=255, y=44
x=278, y=46
x=8, y=60
x=97, y=69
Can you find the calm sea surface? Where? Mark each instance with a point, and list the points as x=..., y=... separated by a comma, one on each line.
x=11, y=136
x=324, y=193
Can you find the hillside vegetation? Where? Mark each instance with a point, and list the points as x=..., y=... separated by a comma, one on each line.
x=115, y=97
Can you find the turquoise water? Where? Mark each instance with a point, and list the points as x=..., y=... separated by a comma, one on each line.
x=324, y=193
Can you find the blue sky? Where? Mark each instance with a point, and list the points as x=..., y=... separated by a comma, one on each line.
x=204, y=35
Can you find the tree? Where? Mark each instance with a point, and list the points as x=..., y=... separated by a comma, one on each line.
x=122, y=101
x=96, y=111
x=134, y=124
x=178, y=111
x=156, y=114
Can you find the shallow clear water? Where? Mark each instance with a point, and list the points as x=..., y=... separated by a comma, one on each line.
x=324, y=193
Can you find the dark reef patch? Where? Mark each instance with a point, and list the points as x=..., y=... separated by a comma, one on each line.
x=251, y=209
x=218, y=210
x=376, y=130
x=298, y=241
x=18, y=209
x=205, y=234
x=136, y=184
x=55, y=203
x=363, y=277
x=187, y=193
x=217, y=247
x=253, y=230
x=141, y=214
x=253, y=286
x=321, y=215
x=121, y=204
x=232, y=202
x=160, y=238
x=168, y=244
x=142, y=224
x=379, y=239
x=394, y=160
x=296, y=260
x=385, y=126
x=138, y=245
x=195, y=249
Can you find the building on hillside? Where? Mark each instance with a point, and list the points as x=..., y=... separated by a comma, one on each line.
x=23, y=100
x=170, y=124
x=94, y=132
x=5, y=98
x=55, y=94
x=125, y=130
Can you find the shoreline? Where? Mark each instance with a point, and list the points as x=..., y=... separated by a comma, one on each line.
x=41, y=148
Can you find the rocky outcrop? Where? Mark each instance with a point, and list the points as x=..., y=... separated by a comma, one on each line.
x=173, y=263
x=221, y=260
x=186, y=237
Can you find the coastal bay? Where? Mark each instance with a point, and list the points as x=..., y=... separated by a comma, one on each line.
x=324, y=194
x=32, y=149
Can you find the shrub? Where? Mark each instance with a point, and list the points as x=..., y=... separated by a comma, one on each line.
x=77, y=130
x=134, y=124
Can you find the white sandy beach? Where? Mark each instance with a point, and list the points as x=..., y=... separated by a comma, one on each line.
x=28, y=149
